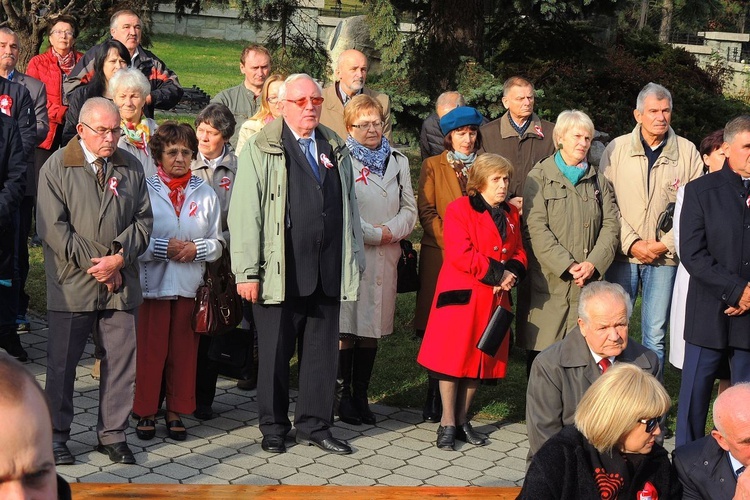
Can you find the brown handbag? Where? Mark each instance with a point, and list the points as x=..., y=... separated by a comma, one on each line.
x=218, y=307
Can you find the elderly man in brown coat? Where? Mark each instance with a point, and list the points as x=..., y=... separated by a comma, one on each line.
x=94, y=217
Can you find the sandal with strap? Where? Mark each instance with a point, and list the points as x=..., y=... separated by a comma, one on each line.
x=146, y=429
x=176, y=430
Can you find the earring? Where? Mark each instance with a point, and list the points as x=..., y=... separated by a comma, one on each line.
x=560, y=146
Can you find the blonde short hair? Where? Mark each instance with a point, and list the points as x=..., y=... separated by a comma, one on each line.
x=358, y=106
x=612, y=406
x=569, y=120
x=485, y=166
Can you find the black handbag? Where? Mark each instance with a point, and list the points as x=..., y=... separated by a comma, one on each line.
x=408, y=279
x=495, y=331
x=232, y=349
x=218, y=307
x=666, y=220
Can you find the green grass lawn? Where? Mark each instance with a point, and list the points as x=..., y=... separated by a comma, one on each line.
x=214, y=65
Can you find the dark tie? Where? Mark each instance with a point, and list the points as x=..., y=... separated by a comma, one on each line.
x=306, y=144
x=746, y=183
x=604, y=364
x=740, y=471
x=100, y=167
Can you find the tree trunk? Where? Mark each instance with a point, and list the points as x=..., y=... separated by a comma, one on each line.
x=667, y=10
x=644, y=15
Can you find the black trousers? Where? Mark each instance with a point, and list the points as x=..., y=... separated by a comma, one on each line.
x=314, y=321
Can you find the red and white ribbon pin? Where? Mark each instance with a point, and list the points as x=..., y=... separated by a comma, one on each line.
x=225, y=183
x=6, y=102
x=193, y=209
x=326, y=162
x=538, y=131
x=363, y=177
x=113, y=186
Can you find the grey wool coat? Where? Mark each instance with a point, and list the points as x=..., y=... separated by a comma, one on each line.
x=78, y=221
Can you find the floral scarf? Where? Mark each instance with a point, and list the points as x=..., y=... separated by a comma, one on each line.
x=461, y=164
x=137, y=134
x=65, y=62
x=176, y=187
x=374, y=159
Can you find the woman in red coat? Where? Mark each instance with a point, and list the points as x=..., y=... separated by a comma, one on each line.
x=484, y=259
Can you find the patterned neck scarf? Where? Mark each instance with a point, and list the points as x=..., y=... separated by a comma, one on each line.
x=374, y=159
x=137, y=134
x=461, y=164
x=520, y=129
x=176, y=187
x=65, y=62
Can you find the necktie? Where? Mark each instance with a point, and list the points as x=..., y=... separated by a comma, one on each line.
x=604, y=364
x=740, y=471
x=746, y=182
x=305, y=145
x=100, y=163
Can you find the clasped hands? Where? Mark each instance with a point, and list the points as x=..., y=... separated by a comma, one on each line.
x=107, y=270
x=743, y=304
x=581, y=272
x=181, y=251
x=647, y=251
x=506, y=283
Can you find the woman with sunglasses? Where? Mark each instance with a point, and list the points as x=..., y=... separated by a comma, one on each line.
x=267, y=112
x=388, y=212
x=611, y=451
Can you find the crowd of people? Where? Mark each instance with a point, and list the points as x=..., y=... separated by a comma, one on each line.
x=130, y=212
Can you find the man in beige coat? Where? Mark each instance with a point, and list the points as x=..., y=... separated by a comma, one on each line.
x=351, y=74
x=94, y=217
x=645, y=168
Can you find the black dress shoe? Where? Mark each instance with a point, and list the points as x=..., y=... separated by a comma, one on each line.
x=329, y=444
x=62, y=454
x=12, y=345
x=467, y=434
x=119, y=453
x=273, y=444
x=204, y=413
x=446, y=437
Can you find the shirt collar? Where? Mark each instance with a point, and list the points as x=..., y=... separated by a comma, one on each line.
x=135, y=56
x=598, y=358
x=11, y=75
x=216, y=161
x=345, y=98
x=736, y=464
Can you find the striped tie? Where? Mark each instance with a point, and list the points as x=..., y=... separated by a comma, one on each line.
x=100, y=168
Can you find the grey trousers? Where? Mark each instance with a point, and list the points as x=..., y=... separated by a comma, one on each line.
x=68, y=334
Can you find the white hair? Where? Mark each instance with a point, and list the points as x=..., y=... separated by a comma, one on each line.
x=293, y=78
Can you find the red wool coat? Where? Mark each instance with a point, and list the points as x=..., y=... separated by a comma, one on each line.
x=474, y=251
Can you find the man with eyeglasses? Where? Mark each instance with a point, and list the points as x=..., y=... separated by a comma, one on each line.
x=561, y=373
x=125, y=26
x=350, y=73
x=94, y=218
x=713, y=467
x=244, y=99
x=297, y=252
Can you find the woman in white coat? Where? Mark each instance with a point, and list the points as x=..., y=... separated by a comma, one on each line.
x=388, y=213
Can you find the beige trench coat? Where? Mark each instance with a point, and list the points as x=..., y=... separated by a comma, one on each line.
x=388, y=201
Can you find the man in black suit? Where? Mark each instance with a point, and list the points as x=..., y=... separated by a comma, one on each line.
x=296, y=253
x=715, y=250
x=712, y=468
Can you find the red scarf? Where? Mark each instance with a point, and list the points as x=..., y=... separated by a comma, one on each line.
x=176, y=187
x=65, y=62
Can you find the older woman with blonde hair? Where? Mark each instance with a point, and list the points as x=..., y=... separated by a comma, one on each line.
x=484, y=259
x=267, y=112
x=570, y=229
x=388, y=213
x=611, y=451
x=129, y=90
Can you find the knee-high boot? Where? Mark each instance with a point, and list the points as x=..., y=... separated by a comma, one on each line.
x=364, y=360
x=347, y=412
x=433, y=407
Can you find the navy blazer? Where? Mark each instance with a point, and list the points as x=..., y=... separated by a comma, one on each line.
x=704, y=470
x=715, y=250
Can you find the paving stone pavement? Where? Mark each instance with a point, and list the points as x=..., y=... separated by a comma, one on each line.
x=399, y=450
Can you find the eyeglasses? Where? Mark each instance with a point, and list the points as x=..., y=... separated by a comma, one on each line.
x=62, y=33
x=366, y=126
x=172, y=153
x=102, y=132
x=274, y=100
x=302, y=101
x=651, y=423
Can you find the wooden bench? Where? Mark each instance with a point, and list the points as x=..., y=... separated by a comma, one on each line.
x=85, y=491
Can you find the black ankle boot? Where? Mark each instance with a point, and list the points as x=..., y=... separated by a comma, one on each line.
x=433, y=407
x=347, y=412
x=11, y=342
x=364, y=360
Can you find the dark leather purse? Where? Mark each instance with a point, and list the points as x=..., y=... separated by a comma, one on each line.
x=495, y=331
x=218, y=307
x=408, y=279
x=666, y=220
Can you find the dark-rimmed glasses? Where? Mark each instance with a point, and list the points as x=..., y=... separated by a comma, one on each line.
x=102, y=132
x=302, y=101
x=651, y=423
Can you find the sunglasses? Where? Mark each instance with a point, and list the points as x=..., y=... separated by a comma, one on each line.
x=302, y=101
x=651, y=423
